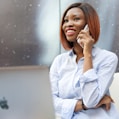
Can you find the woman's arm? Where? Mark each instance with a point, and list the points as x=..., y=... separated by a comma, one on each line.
x=96, y=81
x=104, y=102
x=64, y=107
x=98, y=71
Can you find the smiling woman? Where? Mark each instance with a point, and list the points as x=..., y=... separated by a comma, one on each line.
x=74, y=17
x=79, y=19
x=85, y=72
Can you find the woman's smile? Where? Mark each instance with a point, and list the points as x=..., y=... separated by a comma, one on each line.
x=70, y=32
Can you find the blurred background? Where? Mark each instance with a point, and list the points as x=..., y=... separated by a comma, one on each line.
x=29, y=29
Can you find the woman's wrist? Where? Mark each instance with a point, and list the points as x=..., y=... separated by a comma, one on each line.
x=79, y=106
x=83, y=106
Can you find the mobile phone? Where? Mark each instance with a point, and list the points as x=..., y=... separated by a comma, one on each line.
x=86, y=28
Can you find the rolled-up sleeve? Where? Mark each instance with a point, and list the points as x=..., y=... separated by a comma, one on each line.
x=95, y=83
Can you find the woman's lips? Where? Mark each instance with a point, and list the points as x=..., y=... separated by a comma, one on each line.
x=70, y=32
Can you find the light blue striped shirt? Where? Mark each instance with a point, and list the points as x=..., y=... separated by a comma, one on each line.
x=70, y=84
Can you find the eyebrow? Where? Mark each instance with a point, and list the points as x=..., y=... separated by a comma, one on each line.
x=74, y=15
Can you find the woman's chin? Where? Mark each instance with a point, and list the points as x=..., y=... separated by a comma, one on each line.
x=71, y=40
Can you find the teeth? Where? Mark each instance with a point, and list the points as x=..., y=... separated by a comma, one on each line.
x=70, y=31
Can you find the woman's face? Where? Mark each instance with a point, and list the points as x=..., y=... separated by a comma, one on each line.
x=74, y=22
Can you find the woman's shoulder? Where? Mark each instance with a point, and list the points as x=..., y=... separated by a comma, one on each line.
x=62, y=55
x=59, y=60
x=106, y=53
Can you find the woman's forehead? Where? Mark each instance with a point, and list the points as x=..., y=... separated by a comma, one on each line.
x=76, y=11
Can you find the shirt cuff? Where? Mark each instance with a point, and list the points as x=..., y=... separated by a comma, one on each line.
x=68, y=108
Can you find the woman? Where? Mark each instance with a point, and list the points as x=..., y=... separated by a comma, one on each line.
x=82, y=76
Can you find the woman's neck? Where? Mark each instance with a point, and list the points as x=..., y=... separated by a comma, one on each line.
x=78, y=51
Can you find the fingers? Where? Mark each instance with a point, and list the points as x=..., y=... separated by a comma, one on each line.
x=99, y=104
x=112, y=100
x=83, y=34
x=105, y=102
x=109, y=98
x=80, y=43
x=107, y=106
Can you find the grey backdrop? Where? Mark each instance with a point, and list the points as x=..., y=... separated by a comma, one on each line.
x=29, y=29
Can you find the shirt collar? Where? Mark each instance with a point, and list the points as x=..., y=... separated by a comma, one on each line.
x=94, y=51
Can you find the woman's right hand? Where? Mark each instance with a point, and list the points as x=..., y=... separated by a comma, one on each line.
x=105, y=101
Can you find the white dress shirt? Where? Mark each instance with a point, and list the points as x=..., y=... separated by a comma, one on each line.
x=70, y=84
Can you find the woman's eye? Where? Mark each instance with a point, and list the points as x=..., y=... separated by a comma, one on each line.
x=77, y=18
x=65, y=20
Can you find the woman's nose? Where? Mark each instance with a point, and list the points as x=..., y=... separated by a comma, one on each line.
x=70, y=23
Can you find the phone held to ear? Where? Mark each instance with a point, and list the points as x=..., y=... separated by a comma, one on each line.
x=86, y=28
